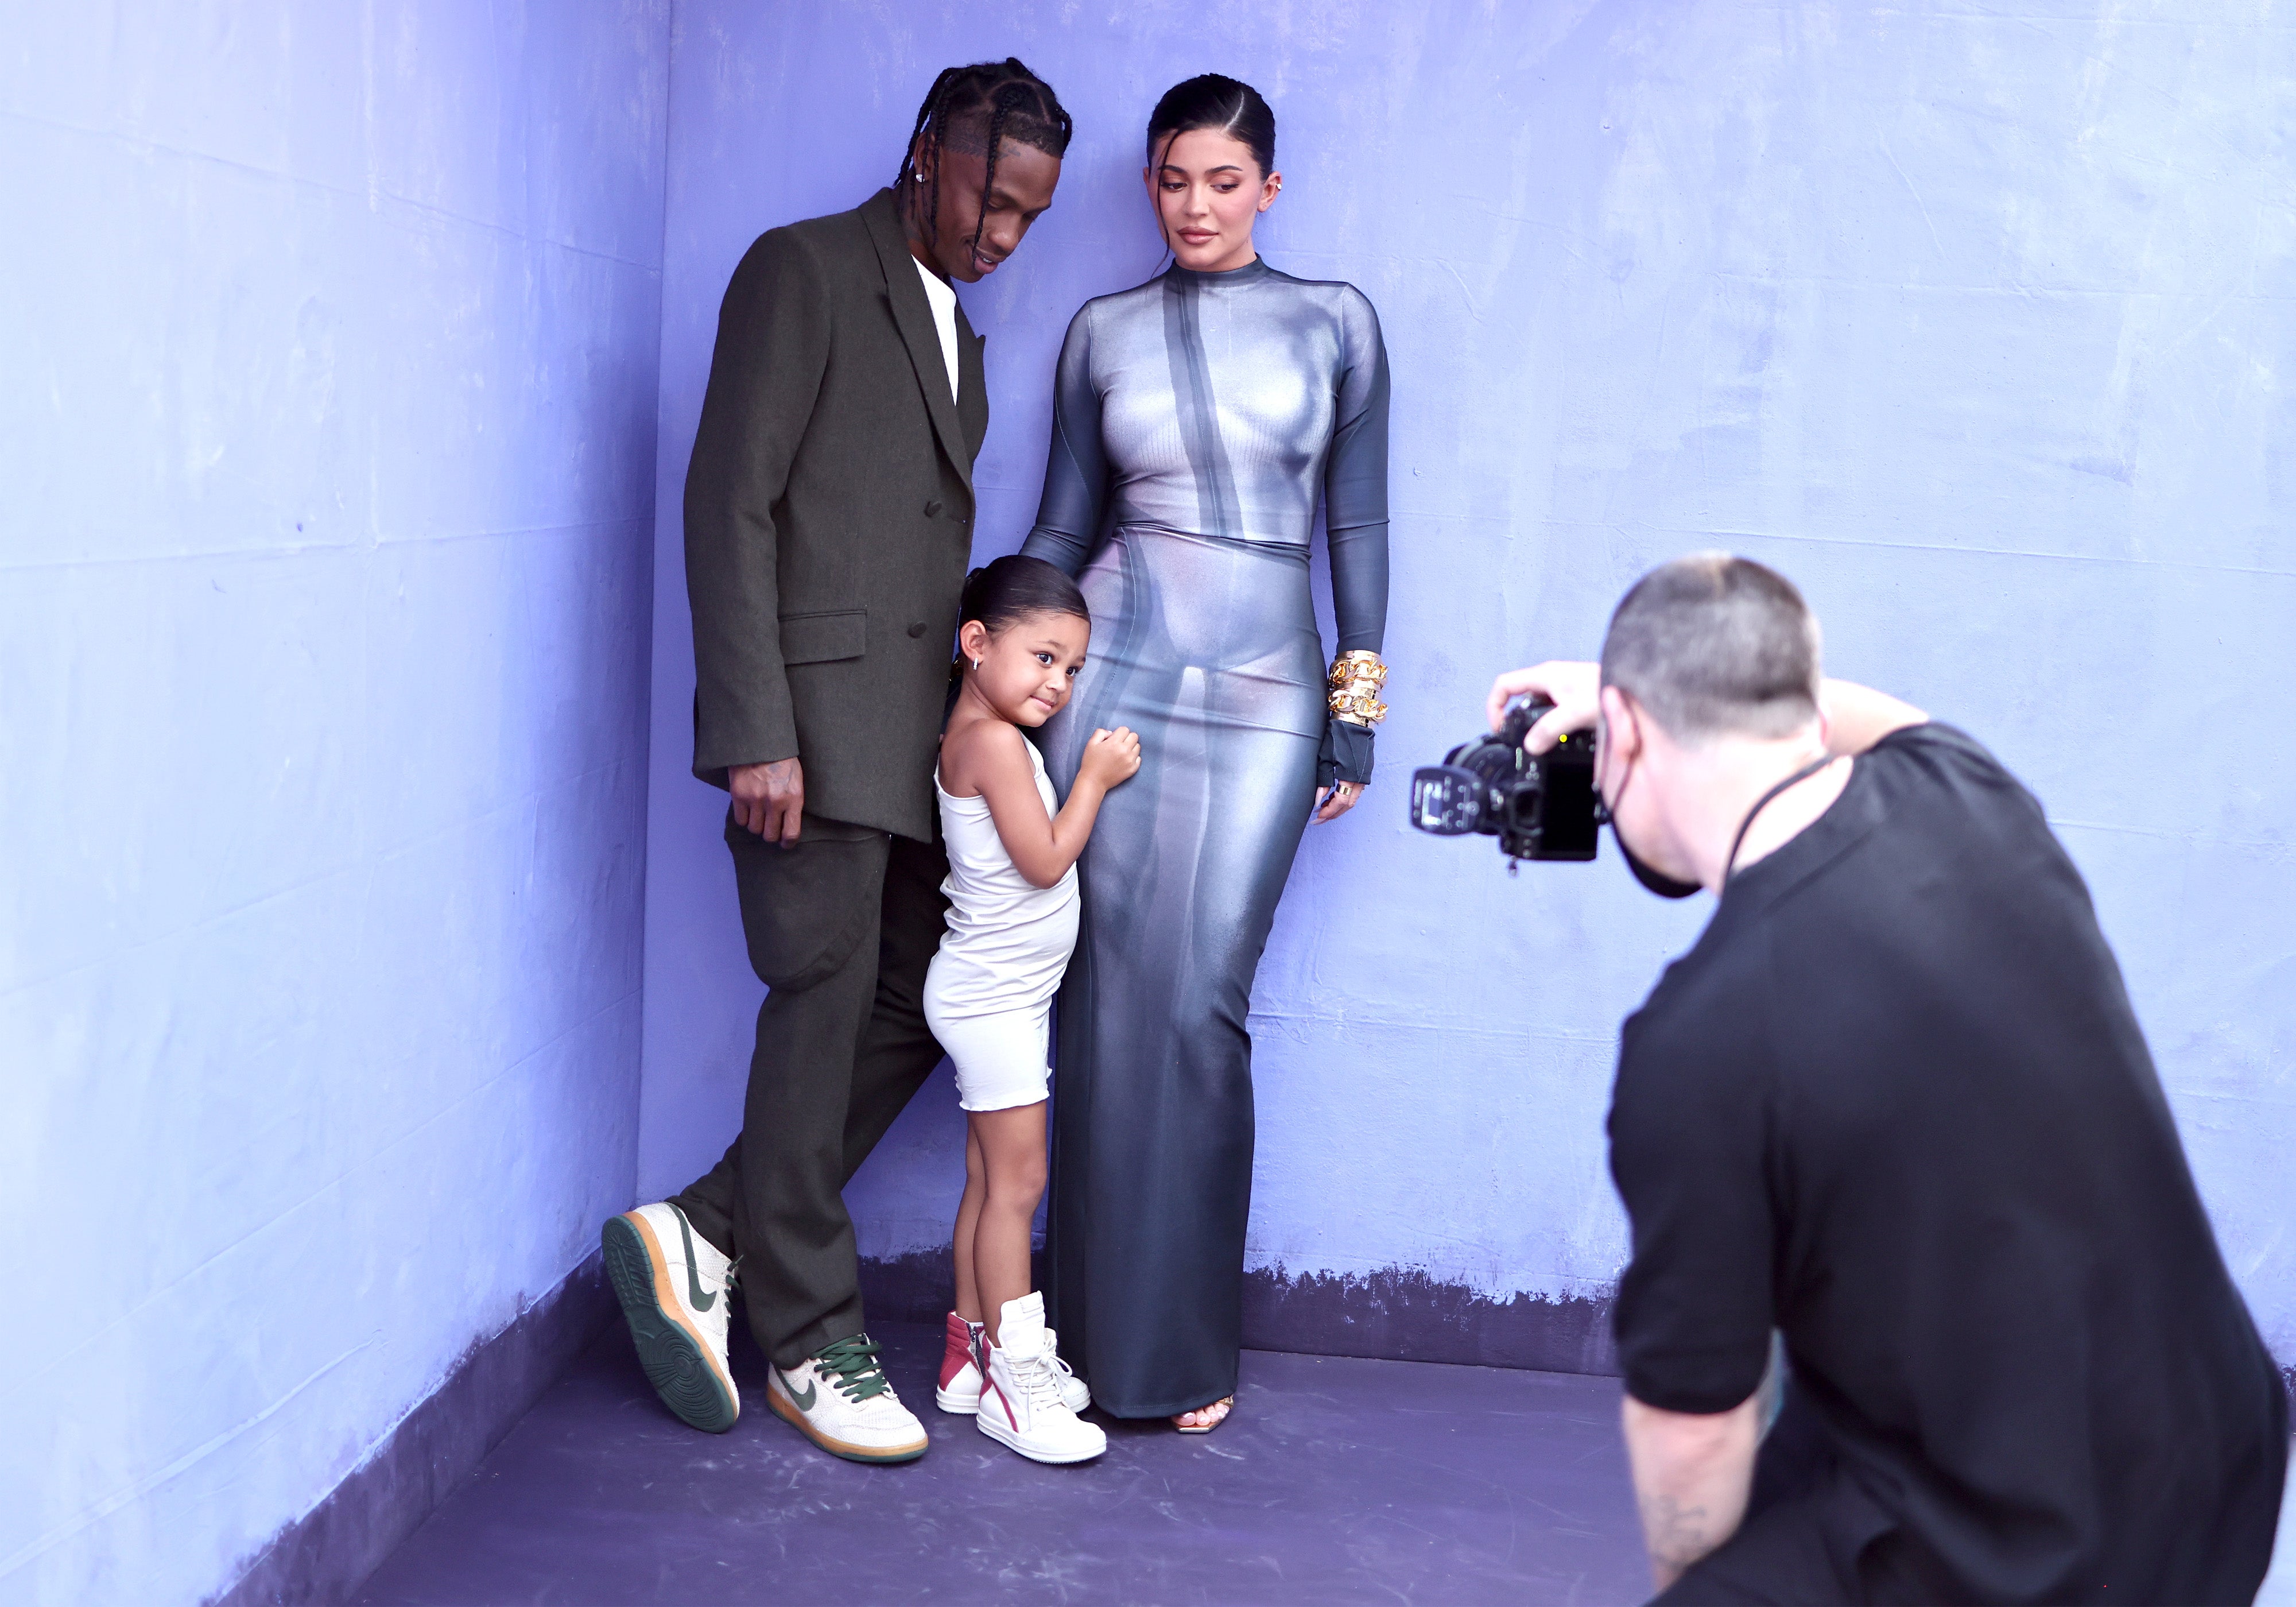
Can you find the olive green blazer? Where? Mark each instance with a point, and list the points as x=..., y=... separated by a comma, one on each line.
x=829, y=519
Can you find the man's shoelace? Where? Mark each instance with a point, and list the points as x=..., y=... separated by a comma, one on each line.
x=851, y=1366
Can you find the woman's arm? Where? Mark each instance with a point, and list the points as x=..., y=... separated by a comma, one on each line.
x=1355, y=522
x=1355, y=485
x=1076, y=469
x=991, y=758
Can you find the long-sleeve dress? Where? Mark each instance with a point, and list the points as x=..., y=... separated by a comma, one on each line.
x=1198, y=419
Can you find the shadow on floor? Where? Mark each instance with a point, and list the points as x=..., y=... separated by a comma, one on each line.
x=1337, y=1481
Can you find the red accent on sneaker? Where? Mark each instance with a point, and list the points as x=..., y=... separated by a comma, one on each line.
x=988, y=1383
x=957, y=1349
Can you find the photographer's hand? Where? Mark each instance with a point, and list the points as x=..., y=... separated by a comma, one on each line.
x=1574, y=689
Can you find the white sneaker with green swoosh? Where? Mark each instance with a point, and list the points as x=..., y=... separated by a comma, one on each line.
x=839, y=1398
x=676, y=1289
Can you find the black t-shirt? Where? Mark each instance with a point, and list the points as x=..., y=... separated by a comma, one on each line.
x=1894, y=1102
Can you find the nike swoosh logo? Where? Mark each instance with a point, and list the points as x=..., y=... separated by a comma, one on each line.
x=804, y=1403
x=702, y=1302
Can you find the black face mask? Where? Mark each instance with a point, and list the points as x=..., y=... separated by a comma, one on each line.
x=1666, y=886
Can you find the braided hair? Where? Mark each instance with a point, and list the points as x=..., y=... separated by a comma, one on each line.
x=988, y=101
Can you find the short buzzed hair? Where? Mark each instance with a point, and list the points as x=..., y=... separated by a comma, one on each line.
x=1715, y=645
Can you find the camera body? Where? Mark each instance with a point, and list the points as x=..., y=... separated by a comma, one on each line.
x=1540, y=806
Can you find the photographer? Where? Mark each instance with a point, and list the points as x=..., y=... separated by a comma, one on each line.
x=1894, y=1104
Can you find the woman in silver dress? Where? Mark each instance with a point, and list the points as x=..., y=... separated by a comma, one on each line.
x=1199, y=419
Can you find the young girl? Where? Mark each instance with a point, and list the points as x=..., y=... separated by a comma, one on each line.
x=1011, y=924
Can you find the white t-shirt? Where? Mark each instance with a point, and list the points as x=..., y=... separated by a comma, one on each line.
x=943, y=300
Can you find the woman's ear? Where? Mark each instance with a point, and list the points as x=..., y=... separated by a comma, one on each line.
x=1270, y=188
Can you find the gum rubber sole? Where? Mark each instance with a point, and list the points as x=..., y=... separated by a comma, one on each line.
x=677, y=1363
x=786, y=1409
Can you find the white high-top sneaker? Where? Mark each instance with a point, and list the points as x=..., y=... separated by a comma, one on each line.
x=1076, y=1395
x=959, y=1388
x=1020, y=1404
x=839, y=1398
x=676, y=1289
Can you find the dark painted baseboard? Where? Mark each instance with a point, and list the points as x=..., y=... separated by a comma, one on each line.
x=914, y=1288
x=1397, y=1313
x=325, y=1556
x=1406, y=1314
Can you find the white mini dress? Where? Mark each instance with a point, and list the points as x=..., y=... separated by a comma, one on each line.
x=988, y=996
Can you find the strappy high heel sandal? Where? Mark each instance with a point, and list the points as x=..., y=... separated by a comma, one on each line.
x=1224, y=1406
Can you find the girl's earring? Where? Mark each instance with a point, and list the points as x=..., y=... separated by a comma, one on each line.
x=976, y=665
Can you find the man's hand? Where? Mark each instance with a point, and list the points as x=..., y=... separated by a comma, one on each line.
x=1574, y=689
x=769, y=798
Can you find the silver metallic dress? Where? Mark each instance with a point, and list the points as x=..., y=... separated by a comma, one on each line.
x=1199, y=420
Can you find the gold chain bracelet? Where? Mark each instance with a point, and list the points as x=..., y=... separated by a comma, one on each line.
x=1357, y=678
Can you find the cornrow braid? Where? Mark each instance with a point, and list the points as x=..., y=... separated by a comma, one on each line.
x=1012, y=101
x=1008, y=97
x=930, y=113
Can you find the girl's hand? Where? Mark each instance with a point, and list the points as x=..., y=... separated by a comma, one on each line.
x=1337, y=800
x=1110, y=758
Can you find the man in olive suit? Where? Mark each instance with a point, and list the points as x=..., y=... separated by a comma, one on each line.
x=828, y=515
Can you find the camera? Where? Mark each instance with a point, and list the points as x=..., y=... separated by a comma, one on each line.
x=1538, y=807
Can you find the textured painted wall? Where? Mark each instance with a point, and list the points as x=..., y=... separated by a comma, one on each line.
x=1972, y=323
x=331, y=337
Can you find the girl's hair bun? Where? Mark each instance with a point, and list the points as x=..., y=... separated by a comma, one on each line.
x=1012, y=587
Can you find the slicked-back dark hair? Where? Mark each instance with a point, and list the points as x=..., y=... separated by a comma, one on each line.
x=978, y=108
x=1713, y=645
x=1213, y=100
x=1006, y=590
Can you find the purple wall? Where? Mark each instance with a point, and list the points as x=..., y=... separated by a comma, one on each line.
x=331, y=342
x=1973, y=324
x=338, y=342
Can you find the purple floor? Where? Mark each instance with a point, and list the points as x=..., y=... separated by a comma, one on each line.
x=1336, y=1481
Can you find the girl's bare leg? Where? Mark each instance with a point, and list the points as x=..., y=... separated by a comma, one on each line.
x=968, y=1216
x=1011, y=1148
